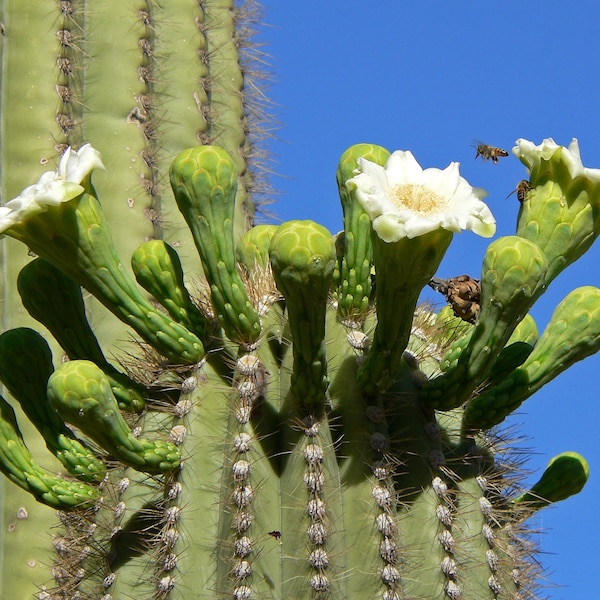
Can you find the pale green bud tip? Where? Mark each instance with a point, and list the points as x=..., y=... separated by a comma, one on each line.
x=253, y=248
x=53, y=187
x=526, y=331
x=78, y=384
x=303, y=246
x=403, y=200
x=205, y=166
x=512, y=263
x=349, y=159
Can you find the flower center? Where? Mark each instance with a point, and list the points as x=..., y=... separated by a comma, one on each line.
x=417, y=198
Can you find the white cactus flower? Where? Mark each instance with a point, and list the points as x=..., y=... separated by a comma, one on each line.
x=531, y=156
x=404, y=200
x=53, y=187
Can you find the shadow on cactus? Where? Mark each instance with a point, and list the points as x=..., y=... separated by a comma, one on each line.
x=308, y=430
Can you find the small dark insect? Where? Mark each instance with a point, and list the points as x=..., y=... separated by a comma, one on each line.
x=489, y=152
x=521, y=190
x=275, y=534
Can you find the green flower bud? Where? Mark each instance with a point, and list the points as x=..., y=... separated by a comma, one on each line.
x=157, y=269
x=303, y=259
x=204, y=181
x=572, y=334
x=513, y=277
x=55, y=300
x=18, y=465
x=81, y=394
x=354, y=285
x=75, y=237
x=253, y=249
x=25, y=366
x=565, y=475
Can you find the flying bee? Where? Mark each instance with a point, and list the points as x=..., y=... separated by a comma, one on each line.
x=522, y=189
x=489, y=152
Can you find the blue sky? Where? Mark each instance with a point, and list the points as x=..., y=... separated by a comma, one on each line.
x=433, y=77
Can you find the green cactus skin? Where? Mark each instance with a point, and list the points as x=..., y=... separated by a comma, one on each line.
x=307, y=454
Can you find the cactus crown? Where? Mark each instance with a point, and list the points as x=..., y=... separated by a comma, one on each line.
x=299, y=427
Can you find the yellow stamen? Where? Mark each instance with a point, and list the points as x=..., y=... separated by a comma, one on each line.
x=417, y=198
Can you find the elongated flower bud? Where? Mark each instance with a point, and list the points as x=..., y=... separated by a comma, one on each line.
x=204, y=181
x=81, y=394
x=303, y=258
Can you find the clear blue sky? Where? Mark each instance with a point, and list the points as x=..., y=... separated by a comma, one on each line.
x=432, y=77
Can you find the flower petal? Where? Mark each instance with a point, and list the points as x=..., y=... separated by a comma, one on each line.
x=52, y=187
x=76, y=166
x=402, y=168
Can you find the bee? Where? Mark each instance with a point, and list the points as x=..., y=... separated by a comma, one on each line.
x=489, y=152
x=521, y=190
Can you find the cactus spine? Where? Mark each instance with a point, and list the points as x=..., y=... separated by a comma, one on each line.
x=297, y=428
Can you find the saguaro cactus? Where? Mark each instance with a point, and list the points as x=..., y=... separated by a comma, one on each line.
x=295, y=426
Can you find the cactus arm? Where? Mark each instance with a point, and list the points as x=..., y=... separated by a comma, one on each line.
x=228, y=112
x=114, y=88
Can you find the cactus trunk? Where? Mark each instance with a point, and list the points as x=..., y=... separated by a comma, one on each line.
x=293, y=426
